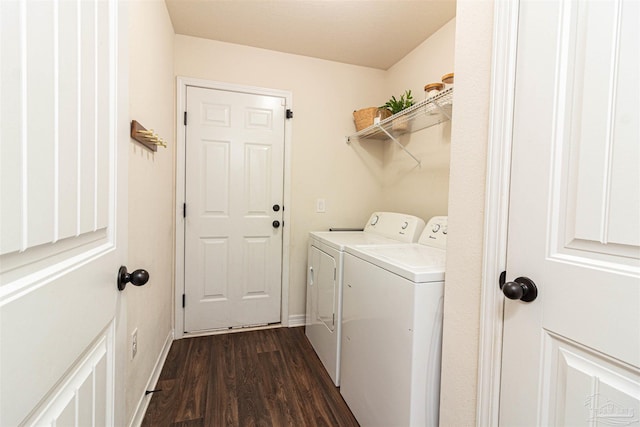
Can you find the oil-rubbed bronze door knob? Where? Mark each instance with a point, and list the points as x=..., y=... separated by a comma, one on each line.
x=522, y=289
x=137, y=278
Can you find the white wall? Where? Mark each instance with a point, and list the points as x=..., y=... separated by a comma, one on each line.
x=354, y=179
x=469, y=136
x=421, y=191
x=151, y=191
x=325, y=94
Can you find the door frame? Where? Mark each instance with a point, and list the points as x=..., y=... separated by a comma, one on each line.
x=498, y=179
x=181, y=93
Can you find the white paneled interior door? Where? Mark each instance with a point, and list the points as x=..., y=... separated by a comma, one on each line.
x=572, y=356
x=62, y=209
x=233, y=229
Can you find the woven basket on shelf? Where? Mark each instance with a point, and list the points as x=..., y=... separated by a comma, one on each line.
x=364, y=117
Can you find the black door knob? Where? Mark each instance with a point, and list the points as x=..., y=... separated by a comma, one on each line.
x=522, y=288
x=275, y=224
x=137, y=278
x=276, y=208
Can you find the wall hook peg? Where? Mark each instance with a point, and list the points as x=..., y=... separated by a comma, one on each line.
x=148, y=138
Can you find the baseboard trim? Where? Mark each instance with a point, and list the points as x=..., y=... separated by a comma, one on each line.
x=296, y=320
x=143, y=403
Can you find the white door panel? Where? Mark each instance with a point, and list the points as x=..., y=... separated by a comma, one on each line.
x=610, y=388
x=234, y=176
x=82, y=399
x=63, y=211
x=572, y=356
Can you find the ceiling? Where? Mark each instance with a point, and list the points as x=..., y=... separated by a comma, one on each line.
x=371, y=33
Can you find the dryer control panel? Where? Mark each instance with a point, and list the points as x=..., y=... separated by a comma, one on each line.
x=402, y=227
x=435, y=233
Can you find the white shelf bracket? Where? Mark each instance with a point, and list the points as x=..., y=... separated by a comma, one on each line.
x=399, y=144
x=442, y=110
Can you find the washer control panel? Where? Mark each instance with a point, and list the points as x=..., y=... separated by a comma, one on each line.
x=402, y=227
x=435, y=233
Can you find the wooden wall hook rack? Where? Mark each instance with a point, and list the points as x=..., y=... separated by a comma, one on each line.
x=148, y=138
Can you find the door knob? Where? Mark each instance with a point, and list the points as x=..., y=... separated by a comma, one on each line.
x=275, y=224
x=137, y=278
x=276, y=208
x=522, y=288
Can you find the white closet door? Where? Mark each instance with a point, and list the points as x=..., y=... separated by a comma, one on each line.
x=63, y=207
x=572, y=356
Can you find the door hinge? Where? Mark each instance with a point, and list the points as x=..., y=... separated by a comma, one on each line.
x=184, y=210
x=185, y=118
x=289, y=114
x=334, y=318
x=334, y=274
x=183, y=300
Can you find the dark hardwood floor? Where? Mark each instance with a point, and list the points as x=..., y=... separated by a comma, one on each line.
x=257, y=378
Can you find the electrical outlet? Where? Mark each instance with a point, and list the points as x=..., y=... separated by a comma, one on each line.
x=134, y=343
x=320, y=206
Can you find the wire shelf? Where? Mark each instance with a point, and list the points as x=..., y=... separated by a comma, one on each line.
x=424, y=114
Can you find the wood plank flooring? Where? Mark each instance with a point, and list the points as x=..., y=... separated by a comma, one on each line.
x=257, y=378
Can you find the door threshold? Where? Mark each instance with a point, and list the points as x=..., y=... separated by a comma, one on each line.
x=232, y=330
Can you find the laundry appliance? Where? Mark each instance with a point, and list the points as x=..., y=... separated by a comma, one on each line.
x=392, y=330
x=325, y=272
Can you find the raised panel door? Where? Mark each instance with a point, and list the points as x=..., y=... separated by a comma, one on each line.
x=572, y=356
x=63, y=175
x=234, y=175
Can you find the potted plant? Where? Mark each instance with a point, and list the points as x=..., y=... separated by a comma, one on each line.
x=397, y=105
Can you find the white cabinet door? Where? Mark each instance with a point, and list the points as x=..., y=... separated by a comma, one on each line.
x=572, y=356
x=234, y=178
x=63, y=155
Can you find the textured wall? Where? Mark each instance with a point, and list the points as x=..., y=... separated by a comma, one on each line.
x=469, y=133
x=151, y=191
x=325, y=94
x=354, y=179
x=421, y=191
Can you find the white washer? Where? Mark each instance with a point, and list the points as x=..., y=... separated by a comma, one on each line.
x=324, y=278
x=392, y=330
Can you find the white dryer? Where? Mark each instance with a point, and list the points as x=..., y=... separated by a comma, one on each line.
x=324, y=278
x=392, y=330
